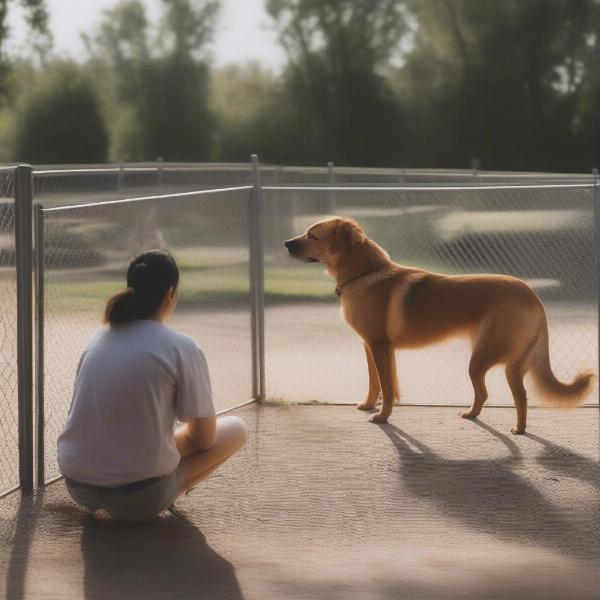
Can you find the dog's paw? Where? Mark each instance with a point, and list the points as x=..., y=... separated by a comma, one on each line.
x=518, y=430
x=467, y=414
x=365, y=405
x=378, y=418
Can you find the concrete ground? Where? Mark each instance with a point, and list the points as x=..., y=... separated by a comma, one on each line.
x=322, y=504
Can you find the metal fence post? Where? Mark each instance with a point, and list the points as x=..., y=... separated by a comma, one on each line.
x=596, y=200
x=24, y=264
x=38, y=228
x=330, y=182
x=257, y=307
x=330, y=173
x=159, y=171
x=121, y=178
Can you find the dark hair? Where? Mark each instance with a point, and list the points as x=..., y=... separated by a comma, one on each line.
x=149, y=277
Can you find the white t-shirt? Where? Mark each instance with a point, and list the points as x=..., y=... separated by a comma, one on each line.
x=132, y=383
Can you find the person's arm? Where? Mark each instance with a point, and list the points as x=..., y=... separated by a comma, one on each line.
x=194, y=402
x=195, y=435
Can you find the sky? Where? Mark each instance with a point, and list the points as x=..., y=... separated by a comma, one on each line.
x=242, y=33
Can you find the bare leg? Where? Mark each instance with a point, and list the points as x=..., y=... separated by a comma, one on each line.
x=231, y=436
x=383, y=356
x=374, y=386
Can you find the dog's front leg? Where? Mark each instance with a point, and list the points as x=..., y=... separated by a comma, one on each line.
x=374, y=386
x=385, y=362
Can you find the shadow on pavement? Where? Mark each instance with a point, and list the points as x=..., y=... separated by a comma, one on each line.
x=490, y=494
x=25, y=523
x=168, y=558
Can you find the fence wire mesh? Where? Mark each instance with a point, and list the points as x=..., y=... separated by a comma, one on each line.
x=9, y=423
x=392, y=177
x=545, y=236
x=410, y=177
x=87, y=250
x=100, y=183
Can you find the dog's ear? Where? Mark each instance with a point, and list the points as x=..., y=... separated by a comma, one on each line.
x=348, y=234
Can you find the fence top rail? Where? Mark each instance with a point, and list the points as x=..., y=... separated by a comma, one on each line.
x=424, y=188
x=476, y=173
x=113, y=170
x=150, y=166
x=91, y=170
x=139, y=167
x=146, y=198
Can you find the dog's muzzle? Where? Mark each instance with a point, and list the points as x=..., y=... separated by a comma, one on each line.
x=292, y=246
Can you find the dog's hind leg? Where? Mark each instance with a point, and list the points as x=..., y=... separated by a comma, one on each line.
x=374, y=386
x=514, y=375
x=486, y=353
x=385, y=362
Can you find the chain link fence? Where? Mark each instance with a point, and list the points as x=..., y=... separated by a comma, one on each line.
x=536, y=226
x=9, y=423
x=544, y=235
x=87, y=250
x=69, y=184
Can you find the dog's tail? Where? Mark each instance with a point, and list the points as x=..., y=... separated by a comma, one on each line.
x=552, y=390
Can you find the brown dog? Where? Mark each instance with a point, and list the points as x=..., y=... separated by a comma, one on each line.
x=393, y=307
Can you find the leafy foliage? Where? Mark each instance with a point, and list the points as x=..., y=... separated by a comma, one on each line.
x=499, y=80
x=59, y=120
x=155, y=83
x=514, y=83
x=36, y=16
x=338, y=51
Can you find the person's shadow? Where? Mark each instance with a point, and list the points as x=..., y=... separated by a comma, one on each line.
x=490, y=495
x=166, y=558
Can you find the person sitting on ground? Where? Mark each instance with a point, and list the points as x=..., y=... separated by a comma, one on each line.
x=120, y=450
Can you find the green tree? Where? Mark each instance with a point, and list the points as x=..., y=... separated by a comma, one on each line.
x=338, y=53
x=155, y=83
x=583, y=74
x=36, y=16
x=58, y=120
x=253, y=114
x=496, y=79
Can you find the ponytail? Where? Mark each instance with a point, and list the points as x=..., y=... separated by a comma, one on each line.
x=119, y=308
x=149, y=277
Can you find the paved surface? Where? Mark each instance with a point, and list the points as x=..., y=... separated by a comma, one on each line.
x=321, y=504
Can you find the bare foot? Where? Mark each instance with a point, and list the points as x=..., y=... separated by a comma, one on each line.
x=517, y=430
x=378, y=418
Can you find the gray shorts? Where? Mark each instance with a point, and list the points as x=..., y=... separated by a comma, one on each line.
x=134, y=502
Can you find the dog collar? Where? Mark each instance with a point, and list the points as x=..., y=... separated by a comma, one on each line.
x=340, y=286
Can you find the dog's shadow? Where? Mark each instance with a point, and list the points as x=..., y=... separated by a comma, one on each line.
x=490, y=495
x=167, y=558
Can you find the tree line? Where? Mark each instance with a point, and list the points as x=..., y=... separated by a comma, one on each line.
x=411, y=83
